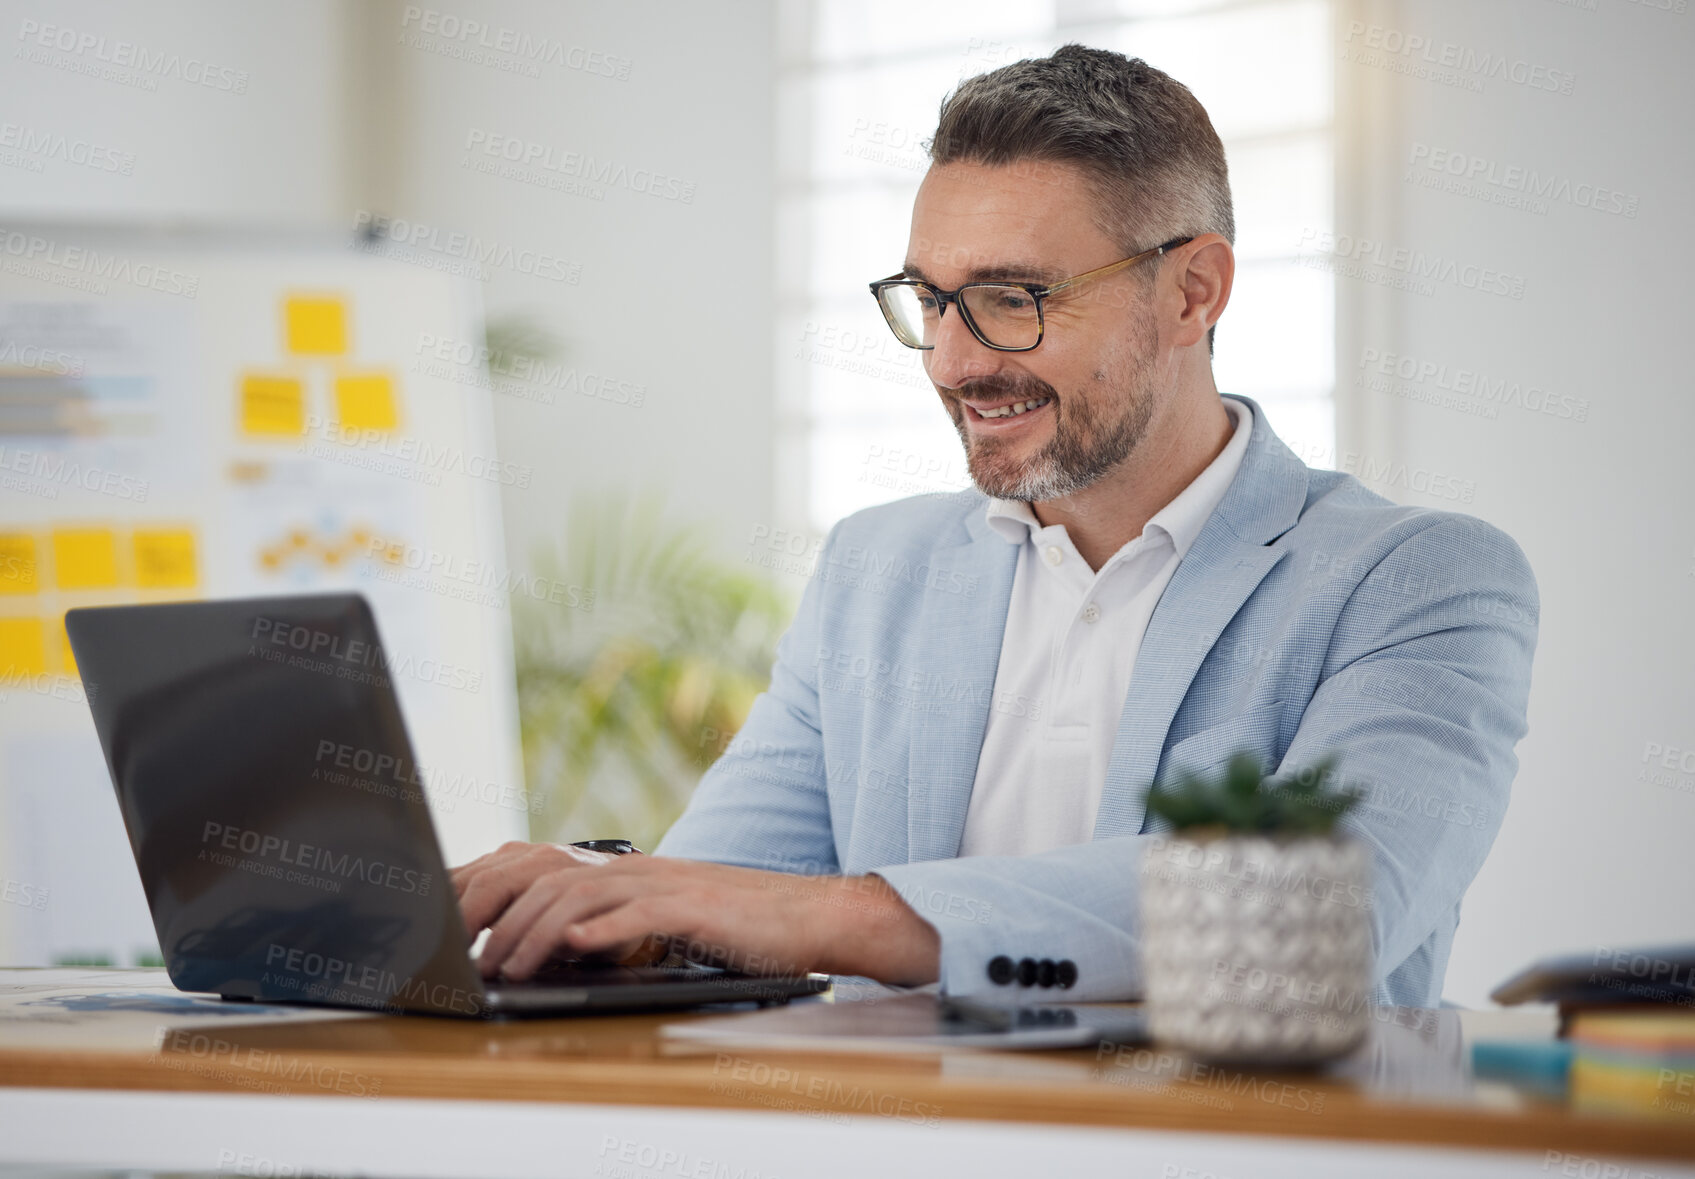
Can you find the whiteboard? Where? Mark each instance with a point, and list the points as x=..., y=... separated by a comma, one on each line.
x=188, y=415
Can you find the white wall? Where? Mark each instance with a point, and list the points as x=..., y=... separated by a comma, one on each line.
x=265, y=144
x=1591, y=855
x=675, y=290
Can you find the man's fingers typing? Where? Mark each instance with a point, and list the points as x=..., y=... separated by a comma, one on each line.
x=558, y=926
x=550, y=896
x=487, y=885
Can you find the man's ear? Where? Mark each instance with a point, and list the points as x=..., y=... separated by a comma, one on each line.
x=1200, y=275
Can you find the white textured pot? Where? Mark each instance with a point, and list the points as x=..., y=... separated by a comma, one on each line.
x=1256, y=949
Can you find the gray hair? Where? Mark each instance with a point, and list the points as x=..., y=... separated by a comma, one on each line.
x=1141, y=137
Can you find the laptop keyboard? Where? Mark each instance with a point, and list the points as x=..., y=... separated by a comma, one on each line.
x=583, y=974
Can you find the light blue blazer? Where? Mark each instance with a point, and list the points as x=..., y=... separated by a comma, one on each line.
x=1310, y=616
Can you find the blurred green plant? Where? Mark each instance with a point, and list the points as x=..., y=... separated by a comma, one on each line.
x=1244, y=800
x=625, y=703
x=514, y=337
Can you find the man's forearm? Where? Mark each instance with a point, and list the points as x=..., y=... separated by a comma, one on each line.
x=866, y=929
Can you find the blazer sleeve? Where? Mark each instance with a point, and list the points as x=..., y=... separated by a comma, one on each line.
x=764, y=802
x=1424, y=698
x=1425, y=709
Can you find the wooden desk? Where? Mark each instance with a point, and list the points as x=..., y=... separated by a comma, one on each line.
x=604, y=1096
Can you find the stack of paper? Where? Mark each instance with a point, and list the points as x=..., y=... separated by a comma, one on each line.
x=1635, y=1061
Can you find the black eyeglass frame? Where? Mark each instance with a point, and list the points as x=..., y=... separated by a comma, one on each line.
x=1037, y=291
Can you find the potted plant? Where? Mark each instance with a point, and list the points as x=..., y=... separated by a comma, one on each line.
x=641, y=686
x=641, y=690
x=1256, y=918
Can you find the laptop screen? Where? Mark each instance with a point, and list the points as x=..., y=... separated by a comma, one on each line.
x=276, y=813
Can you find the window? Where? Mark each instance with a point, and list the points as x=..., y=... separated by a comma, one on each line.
x=859, y=85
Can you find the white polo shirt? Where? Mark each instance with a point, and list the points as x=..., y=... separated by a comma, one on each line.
x=1069, y=650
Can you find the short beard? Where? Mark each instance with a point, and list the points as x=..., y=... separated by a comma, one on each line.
x=1084, y=447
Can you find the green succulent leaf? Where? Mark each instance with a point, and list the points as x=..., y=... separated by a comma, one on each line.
x=1244, y=799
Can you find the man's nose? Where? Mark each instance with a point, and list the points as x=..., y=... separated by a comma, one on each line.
x=958, y=355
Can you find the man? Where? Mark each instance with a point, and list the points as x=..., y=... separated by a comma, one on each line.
x=945, y=779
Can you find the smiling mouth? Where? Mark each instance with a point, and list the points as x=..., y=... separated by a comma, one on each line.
x=1017, y=407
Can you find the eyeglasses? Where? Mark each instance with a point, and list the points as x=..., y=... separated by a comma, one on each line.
x=1005, y=316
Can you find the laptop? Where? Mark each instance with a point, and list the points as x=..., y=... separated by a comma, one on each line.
x=280, y=826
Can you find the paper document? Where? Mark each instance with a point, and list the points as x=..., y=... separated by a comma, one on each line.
x=883, y=1020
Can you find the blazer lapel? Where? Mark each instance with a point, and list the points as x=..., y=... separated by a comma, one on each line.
x=962, y=638
x=1217, y=575
x=961, y=653
x=1204, y=595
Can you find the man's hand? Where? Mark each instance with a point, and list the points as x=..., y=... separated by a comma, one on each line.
x=542, y=901
x=490, y=883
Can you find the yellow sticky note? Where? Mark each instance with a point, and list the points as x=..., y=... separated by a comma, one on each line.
x=272, y=404
x=85, y=558
x=365, y=401
x=316, y=326
x=165, y=558
x=17, y=564
x=23, y=647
